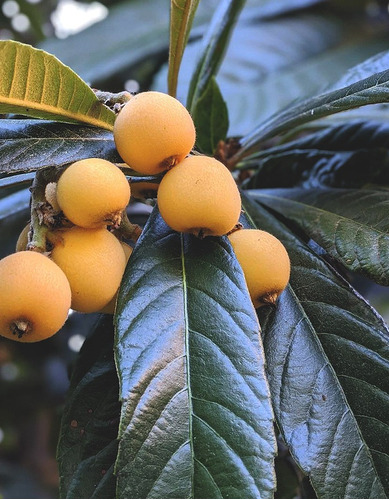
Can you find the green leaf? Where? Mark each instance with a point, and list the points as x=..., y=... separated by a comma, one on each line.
x=181, y=19
x=210, y=117
x=371, y=90
x=196, y=418
x=328, y=366
x=352, y=225
x=271, y=61
x=37, y=84
x=214, y=45
x=350, y=155
x=27, y=145
x=87, y=445
x=375, y=64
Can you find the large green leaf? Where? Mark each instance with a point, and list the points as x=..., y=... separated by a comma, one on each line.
x=328, y=366
x=214, y=45
x=371, y=90
x=352, y=225
x=369, y=67
x=210, y=117
x=350, y=155
x=181, y=19
x=274, y=62
x=87, y=445
x=35, y=83
x=196, y=418
x=27, y=145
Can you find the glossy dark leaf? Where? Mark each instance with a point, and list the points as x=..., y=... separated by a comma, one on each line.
x=350, y=155
x=214, y=45
x=375, y=64
x=315, y=169
x=196, y=419
x=210, y=117
x=181, y=18
x=87, y=446
x=371, y=90
x=328, y=366
x=27, y=145
x=352, y=225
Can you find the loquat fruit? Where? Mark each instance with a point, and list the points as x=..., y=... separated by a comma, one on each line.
x=265, y=264
x=111, y=306
x=35, y=297
x=51, y=195
x=22, y=241
x=199, y=196
x=93, y=193
x=153, y=132
x=93, y=261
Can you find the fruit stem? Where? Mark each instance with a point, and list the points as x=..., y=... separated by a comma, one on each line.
x=114, y=101
x=129, y=230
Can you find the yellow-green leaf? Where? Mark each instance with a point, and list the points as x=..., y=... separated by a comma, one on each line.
x=181, y=18
x=35, y=83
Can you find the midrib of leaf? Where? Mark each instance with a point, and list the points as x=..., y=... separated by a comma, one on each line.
x=350, y=97
x=22, y=89
x=52, y=110
x=176, y=49
x=325, y=365
x=187, y=355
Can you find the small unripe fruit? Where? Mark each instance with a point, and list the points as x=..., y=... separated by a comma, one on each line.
x=153, y=132
x=93, y=261
x=22, y=242
x=51, y=195
x=93, y=193
x=265, y=264
x=34, y=297
x=199, y=196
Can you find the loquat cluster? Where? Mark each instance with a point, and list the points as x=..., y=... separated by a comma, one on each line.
x=82, y=265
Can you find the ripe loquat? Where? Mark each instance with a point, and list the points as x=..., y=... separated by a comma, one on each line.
x=265, y=264
x=35, y=297
x=199, y=196
x=93, y=193
x=153, y=132
x=111, y=306
x=22, y=241
x=93, y=261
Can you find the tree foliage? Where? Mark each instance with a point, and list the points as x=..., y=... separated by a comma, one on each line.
x=187, y=390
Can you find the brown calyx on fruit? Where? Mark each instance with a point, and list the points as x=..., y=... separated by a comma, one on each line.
x=169, y=162
x=21, y=327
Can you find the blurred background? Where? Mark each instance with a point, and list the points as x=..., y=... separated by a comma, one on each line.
x=281, y=50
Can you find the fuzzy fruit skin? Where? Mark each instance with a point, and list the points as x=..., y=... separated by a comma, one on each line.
x=34, y=291
x=153, y=132
x=93, y=261
x=93, y=193
x=199, y=196
x=111, y=306
x=265, y=264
